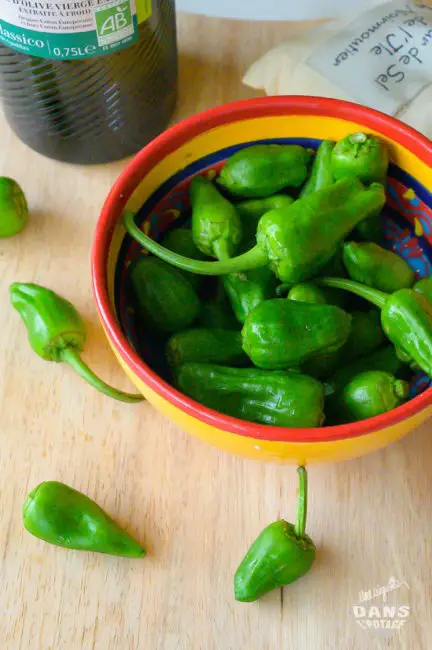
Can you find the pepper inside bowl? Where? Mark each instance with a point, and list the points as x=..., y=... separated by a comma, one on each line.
x=155, y=186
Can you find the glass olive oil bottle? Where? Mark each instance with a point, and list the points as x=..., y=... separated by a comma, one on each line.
x=88, y=81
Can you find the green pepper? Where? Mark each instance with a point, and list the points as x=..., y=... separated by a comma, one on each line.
x=424, y=287
x=247, y=289
x=406, y=318
x=307, y=292
x=280, y=555
x=180, y=240
x=284, y=334
x=252, y=210
x=366, y=335
x=216, y=225
x=321, y=175
x=219, y=346
x=216, y=312
x=57, y=333
x=60, y=515
x=13, y=208
x=264, y=169
x=282, y=399
x=384, y=359
x=368, y=394
x=163, y=298
x=335, y=267
x=216, y=315
x=295, y=242
x=377, y=267
x=370, y=229
x=360, y=156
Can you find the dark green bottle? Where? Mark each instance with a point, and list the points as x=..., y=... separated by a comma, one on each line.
x=88, y=82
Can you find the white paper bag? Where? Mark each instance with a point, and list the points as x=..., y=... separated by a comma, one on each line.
x=380, y=56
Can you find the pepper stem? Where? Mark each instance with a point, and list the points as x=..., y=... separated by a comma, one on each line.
x=358, y=138
x=300, y=525
x=376, y=297
x=71, y=356
x=253, y=259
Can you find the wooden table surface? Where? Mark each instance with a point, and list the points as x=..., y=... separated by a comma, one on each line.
x=196, y=509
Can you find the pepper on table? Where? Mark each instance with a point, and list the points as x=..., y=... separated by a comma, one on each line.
x=56, y=332
x=280, y=555
x=295, y=242
x=60, y=515
x=13, y=208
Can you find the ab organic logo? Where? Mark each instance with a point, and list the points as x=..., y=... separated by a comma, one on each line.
x=114, y=21
x=383, y=607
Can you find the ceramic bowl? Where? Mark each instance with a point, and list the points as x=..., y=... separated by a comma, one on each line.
x=155, y=186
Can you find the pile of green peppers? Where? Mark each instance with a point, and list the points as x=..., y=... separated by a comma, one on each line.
x=302, y=291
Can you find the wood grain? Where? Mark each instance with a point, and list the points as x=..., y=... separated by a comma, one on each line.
x=195, y=508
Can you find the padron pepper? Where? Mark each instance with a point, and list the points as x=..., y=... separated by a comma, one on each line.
x=252, y=210
x=13, y=208
x=424, y=287
x=60, y=515
x=180, y=241
x=366, y=335
x=406, y=318
x=216, y=225
x=280, y=555
x=367, y=395
x=281, y=399
x=264, y=169
x=362, y=156
x=321, y=175
x=307, y=292
x=295, y=242
x=217, y=315
x=216, y=311
x=220, y=346
x=384, y=359
x=284, y=333
x=56, y=332
x=163, y=298
x=377, y=267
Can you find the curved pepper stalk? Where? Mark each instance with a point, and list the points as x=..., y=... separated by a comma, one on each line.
x=56, y=332
x=281, y=554
x=406, y=318
x=295, y=242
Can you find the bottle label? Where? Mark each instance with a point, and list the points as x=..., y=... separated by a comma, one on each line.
x=71, y=29
x=384, y=58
